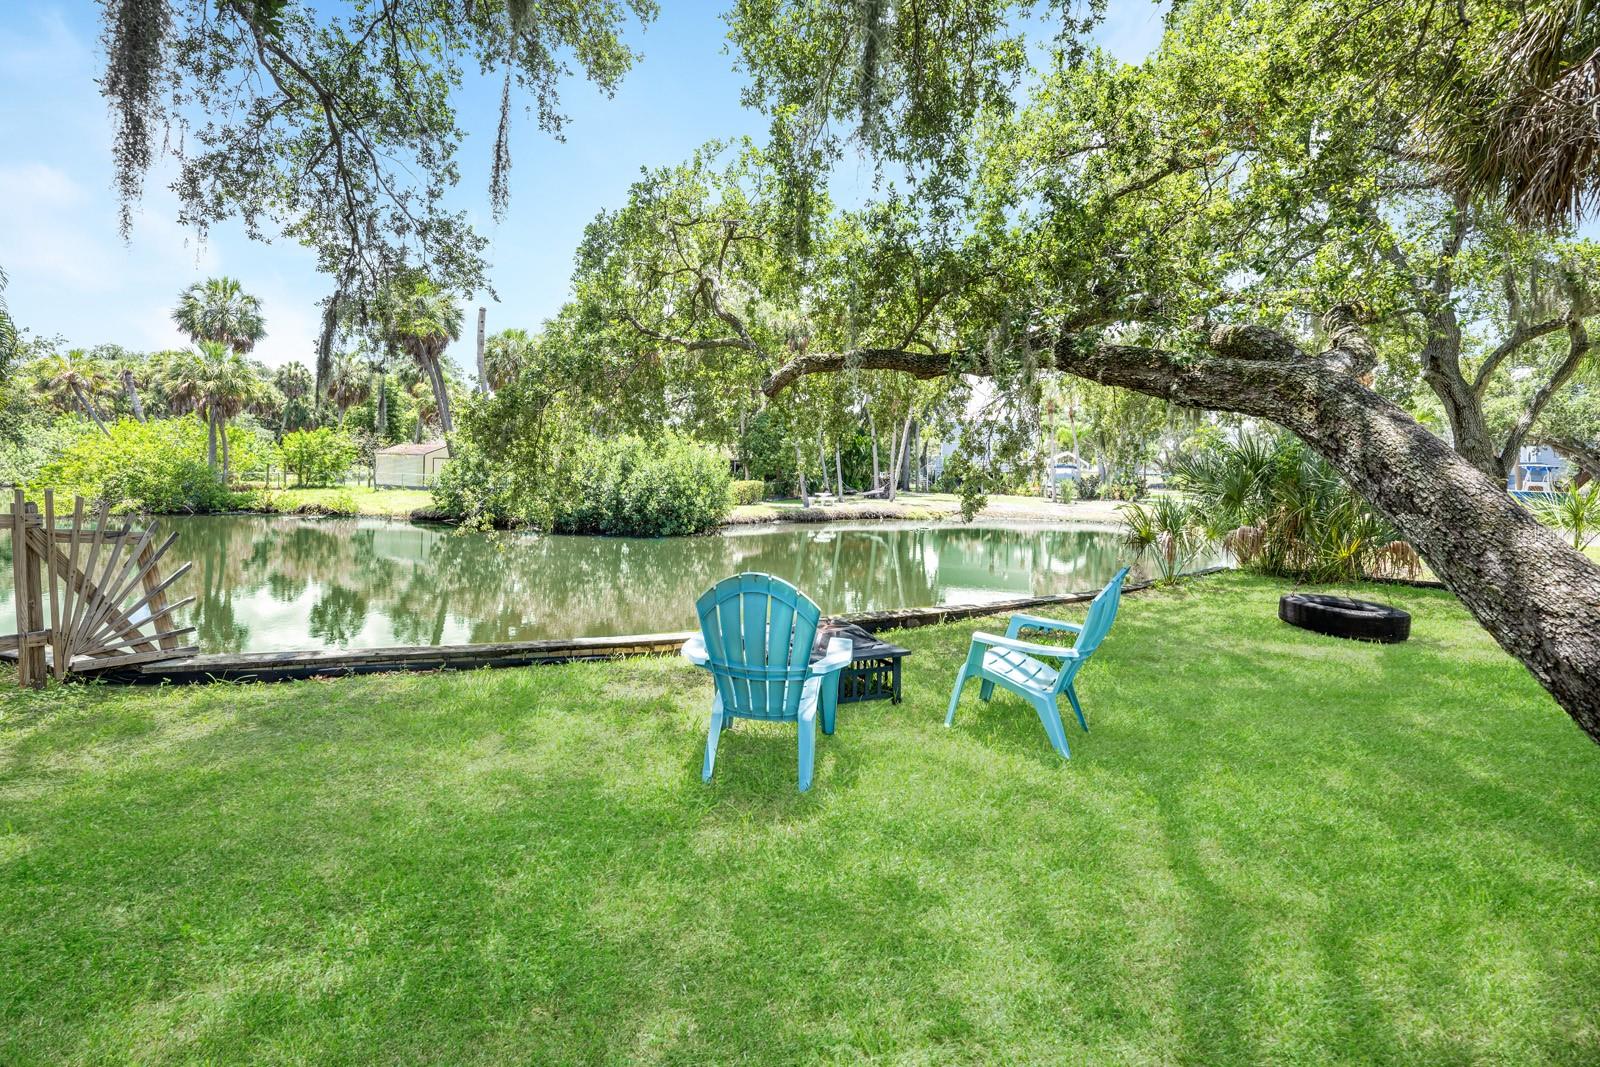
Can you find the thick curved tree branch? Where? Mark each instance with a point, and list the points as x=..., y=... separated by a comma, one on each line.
x=1578, y=346
x=1538, y=597
x=1519, y=337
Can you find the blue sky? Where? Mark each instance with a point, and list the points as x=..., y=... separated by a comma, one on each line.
x=71, y=274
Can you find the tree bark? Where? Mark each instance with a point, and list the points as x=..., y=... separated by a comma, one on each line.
x=838, y=468
x=211, y=437
x=222, y=442
x=903, y=464
x=1536, y=596
x=872, y=432
x=380, y=409
x=89, y=408
x=131, y=388
x=800, y=475
x=442, y=396
x=483, y=371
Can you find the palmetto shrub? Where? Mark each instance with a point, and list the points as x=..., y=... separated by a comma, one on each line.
x=1168, y=531
x=1575, y=513
x=1282, y=510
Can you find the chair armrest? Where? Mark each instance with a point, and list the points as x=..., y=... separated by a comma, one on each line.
x=694, y=650
x=1028, y=647
x=839, y=651
x=1020, y=621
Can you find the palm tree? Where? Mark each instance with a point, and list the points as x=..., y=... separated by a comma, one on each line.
x=219, y=310
x=425, y=319
x=1517, y=125
x=133, y=372
x=8, y=327
x=294, y=382
x=219, y=383
x=348, y=383
x=426, y=405
x=505, y=355
x=74, y=380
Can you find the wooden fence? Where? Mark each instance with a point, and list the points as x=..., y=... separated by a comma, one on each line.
x=107, y=601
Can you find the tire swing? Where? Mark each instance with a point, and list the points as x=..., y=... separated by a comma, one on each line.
x=1340, y=616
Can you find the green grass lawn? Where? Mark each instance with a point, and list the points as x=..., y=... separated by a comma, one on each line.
x=1274, y=847
x=393, y=503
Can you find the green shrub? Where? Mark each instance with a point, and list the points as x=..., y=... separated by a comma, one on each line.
x=1167, y=530
x=622, y=486
x=628, y=486
x=746, y=492
x=157, y=466
x=318, y=457
x=340, y=503
x=1123, y=486
x=476, y=490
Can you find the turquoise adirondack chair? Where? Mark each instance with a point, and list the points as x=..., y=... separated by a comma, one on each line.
x=1017, y=665
x=756, y=634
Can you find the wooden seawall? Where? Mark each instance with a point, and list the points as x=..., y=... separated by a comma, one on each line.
x=324, y=663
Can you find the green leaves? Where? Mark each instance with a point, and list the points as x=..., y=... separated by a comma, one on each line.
x=335, y=126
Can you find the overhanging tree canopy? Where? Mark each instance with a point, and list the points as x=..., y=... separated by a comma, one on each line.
x=1217, y=227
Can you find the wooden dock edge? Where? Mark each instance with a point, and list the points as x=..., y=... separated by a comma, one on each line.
x=328, y=663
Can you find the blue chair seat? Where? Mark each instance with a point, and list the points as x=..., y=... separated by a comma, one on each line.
x=1019, y=666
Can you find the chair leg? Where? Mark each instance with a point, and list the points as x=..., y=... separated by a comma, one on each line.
x=1077, y=709
x=1046, y=706
x=830, y=702
x=986, y=690
x=808, y=747
x=712, y=735
x=955, y=695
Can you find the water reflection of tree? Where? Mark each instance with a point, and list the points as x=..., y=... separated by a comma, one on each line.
x=517, y=586
x=339, y=615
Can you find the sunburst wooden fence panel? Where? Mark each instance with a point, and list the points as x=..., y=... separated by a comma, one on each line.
x=107, y=598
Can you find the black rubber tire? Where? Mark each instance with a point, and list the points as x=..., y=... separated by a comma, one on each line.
x=1340, y=616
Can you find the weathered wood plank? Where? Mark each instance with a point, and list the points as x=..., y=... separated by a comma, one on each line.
x=93, y=664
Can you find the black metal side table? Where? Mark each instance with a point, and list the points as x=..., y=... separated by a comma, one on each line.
x=874, y=670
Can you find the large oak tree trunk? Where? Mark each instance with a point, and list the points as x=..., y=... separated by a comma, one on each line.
x=1538, y=597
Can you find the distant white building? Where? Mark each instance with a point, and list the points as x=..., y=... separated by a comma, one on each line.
x=409, y=466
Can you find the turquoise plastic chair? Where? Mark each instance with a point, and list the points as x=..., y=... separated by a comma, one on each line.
x=1017, y=665
x=756, y=634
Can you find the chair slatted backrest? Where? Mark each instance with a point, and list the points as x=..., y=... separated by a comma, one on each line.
x=759, y=631
x=1102, y=613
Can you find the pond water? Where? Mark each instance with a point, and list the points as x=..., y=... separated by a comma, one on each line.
x=267, y=583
